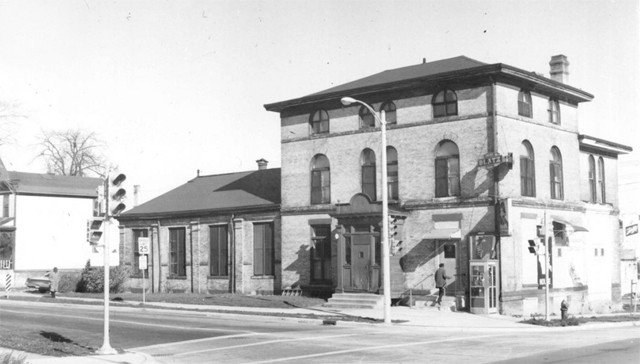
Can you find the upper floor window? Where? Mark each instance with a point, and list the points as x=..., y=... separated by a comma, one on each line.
x=367, y=120
x=389, y=109
x=524, y=104
x=445, y=103
x=603, y=192
x=392, y=173
x=320, y=180
x=319, y=122
x=554, y=112
x=593, y=192
x=555, y=174
x=527, y=170
x=368, y=165
x=447, y=169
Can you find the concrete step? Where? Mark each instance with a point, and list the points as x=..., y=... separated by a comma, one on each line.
x=354, y=300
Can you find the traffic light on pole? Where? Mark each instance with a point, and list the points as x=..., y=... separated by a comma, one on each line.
x=536, y=247
x=117, y=194
x=94, y=230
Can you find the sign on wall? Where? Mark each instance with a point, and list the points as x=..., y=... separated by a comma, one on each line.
x=493, y=160
x=502, y=214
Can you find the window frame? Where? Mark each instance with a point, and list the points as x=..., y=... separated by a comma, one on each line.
x=593, y=192
x=263, y=250
x=221, y=256
x=447, y=173
x=446, y=106
x=556, y=179
x=177, y=250
x=393, y=171
x=602, y=188
x=365, y=113
x=390, y=112
x=368, y=172
x=319, y=122
x=554, y=112
x=320, y=175
x=320, y=259
x=527, y=171
x=525, y=103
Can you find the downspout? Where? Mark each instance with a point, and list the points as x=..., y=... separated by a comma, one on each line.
x=191, y=252
x=159, y=260
x=232, y=266
x=496, y=199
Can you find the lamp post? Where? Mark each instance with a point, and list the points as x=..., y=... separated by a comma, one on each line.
x=386, y=279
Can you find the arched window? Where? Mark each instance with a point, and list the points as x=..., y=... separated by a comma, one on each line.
x=527, y=170
x=368, y=167
x=320, y=180
x=554, y=111
x=555, y=174
x=392, y=173
x=367, y=120
x=389, y=109
x=319, y=122
x=447, y=169
x=524, y=103
x=593, y=194
x=445, y=103
x=603, y=190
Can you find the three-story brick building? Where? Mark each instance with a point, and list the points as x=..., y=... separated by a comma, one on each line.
x=482, y=159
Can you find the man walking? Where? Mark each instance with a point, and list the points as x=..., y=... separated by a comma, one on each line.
x=441, y=281
x=54, y=278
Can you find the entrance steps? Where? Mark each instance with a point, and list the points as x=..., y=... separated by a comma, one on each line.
x=355, y=301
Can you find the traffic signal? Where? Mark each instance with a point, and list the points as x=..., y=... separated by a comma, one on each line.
x=395, y=244
x=117, y=194
x=94, y=230
x=536, y=247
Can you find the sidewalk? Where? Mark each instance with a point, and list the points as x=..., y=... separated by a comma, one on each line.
x=420, y=316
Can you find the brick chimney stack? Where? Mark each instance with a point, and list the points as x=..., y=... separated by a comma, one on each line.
x=559, y=68
x=262, y=163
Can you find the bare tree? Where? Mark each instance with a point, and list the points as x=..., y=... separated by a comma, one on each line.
x=72, y=153
x=9, y=111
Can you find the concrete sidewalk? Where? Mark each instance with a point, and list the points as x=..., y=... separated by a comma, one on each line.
x=419, y=316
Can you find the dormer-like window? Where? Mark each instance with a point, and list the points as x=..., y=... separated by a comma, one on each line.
x=524, y=104
x=445, y=103
x=367, y=120
x=554, y=112
x=447, y=169
x=368, y=167
x=555, y=174
x=389, y=109
x=319, y=122
x=320, y=180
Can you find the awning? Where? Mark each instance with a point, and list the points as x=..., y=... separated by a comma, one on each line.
x=575, y=227
x=443, y=234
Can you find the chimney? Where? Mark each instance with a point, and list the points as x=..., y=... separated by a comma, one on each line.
x=262, y=163
x=559, y=68
x=136, y=195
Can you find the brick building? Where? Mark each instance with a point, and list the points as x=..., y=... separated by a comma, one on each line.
x=217, y=233
x=481, y=159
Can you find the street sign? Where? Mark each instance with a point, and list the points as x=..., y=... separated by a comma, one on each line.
x=495, y=160
x=143, y=246
x=142, y=262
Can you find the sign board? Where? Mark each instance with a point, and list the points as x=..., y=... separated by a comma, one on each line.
x=495, y=160
x=142, y=262
x=631, y=229
x=143, y=246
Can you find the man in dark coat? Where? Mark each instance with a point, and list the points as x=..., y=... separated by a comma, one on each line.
x=441, y=281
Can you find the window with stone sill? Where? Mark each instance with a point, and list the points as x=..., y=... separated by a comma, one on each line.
x=524, y=104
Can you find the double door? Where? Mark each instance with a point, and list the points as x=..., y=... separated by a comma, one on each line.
x=361, y=266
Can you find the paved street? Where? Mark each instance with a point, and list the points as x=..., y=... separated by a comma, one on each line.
x=183, y=337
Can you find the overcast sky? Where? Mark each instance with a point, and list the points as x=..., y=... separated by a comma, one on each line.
x=177, y=86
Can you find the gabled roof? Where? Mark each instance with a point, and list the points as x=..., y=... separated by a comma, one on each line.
x=45, y=184
x=257, y=190
x=459, y=68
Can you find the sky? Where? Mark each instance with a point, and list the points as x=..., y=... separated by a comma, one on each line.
x=173, y=87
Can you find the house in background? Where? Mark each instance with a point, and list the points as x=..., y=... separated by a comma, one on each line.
x=43, y=223
x=482, y=159
x=217, y=233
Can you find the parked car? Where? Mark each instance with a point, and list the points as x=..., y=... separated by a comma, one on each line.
x=41, y=283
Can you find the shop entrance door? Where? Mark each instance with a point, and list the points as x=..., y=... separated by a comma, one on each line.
x=484, y=287
x=361, y=256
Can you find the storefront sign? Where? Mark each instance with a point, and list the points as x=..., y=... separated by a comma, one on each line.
x=495, y=160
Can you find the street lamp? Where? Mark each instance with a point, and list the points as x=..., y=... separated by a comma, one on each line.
x=386, y=279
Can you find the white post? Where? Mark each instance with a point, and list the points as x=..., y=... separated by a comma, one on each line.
x=106, y=348
x=546, y=269
x=144, y=284
x=386, y=279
